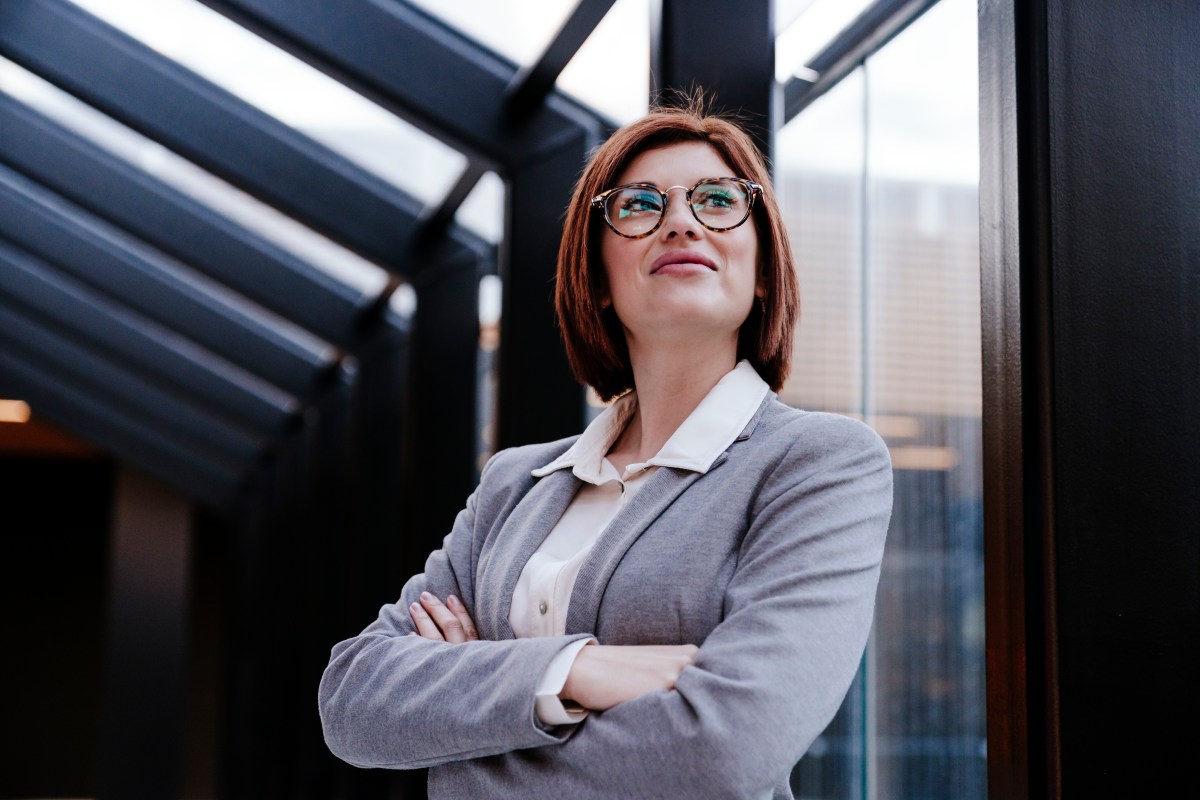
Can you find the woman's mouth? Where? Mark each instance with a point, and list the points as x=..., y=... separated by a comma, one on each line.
x=681, y=262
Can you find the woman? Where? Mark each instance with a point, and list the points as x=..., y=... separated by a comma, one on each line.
x=673, y=603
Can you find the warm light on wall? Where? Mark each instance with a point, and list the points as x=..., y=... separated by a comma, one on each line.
x=928, y=458
x=14, y=411
x=895, y=427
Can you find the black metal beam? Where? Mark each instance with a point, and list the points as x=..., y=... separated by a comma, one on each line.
x=159, y=287
x=143, y=344
x=434, y=224
x=871, y=30
x=188, y=230
x=726, y=49
x=418, y=67
x=208, y=125
x=532, y=83
x=214, y=484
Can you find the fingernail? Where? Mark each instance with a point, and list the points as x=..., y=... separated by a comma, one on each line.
x=416, y=608
x=426, y=596
x=452, y=600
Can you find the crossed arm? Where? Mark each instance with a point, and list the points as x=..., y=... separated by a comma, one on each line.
x=601, y=676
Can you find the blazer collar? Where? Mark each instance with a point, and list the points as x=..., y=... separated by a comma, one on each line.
x=713, y=425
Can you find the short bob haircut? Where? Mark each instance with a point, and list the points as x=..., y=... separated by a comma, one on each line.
x=595, y=341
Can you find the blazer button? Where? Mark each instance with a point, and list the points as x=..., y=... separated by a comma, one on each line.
x=542, y=607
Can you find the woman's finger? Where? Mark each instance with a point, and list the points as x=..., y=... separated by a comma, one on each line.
x=450, y=625
x=464, y=617
x=425, y=624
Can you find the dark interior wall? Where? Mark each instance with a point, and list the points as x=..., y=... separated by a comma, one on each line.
x=53, y=561
x=1123, y=127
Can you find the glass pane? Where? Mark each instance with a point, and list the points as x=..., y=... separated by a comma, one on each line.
x=289, y=90
x=820, y=162
x=878, y=182
x=820, y=159
x=786, y=12
x=611, y=72
x=807, y=35
x=483, y=210
x=923, y=387
x=519, y=30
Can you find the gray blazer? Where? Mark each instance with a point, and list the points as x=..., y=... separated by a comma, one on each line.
x=769, y=562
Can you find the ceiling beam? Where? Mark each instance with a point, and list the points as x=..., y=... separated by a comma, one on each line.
x=132, y=339
x=171, y=413
x=210, y=126
x=160, y=288
x=418, y=67
x=176, y=224
x=214, y=484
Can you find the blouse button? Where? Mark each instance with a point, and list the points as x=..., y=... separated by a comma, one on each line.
x=542, y=607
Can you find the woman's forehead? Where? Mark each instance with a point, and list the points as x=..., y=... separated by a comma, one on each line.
x=681, y=163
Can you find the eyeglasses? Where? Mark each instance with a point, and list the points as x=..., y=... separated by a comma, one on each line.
x=636, y=210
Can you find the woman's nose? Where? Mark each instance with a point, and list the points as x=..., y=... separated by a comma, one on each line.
x=678, y=219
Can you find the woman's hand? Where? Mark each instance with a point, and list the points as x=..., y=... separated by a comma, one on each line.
x=603, y=676
x=442, y=623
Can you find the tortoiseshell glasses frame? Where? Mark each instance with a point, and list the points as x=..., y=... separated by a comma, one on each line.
x=701, y=211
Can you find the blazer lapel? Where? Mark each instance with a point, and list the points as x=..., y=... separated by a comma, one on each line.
x=502, y=559
x=662, y=488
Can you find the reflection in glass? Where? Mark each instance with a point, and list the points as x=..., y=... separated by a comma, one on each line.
x=879, y=185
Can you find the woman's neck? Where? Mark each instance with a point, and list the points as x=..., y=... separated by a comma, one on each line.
x=670, y=383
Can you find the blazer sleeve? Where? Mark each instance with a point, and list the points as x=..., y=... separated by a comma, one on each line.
x=771, y=675
x=387, y=699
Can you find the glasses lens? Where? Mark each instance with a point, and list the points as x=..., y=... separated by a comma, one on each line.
x=721, y=204
x=634, y=210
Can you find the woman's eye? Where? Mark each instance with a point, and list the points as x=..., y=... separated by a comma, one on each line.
x=639, y=204
x=714, y=200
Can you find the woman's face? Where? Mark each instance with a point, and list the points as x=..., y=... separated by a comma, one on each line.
x=683, y=280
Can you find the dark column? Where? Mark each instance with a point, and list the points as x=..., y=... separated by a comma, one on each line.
x=142, y=746
x=443, y=392
x=539, y=400
x=1091, y=276
x=725, y=48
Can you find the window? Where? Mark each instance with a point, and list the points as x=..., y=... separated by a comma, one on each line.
x=879, y=180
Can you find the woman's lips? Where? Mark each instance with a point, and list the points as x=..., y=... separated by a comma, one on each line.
x=681, y=262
